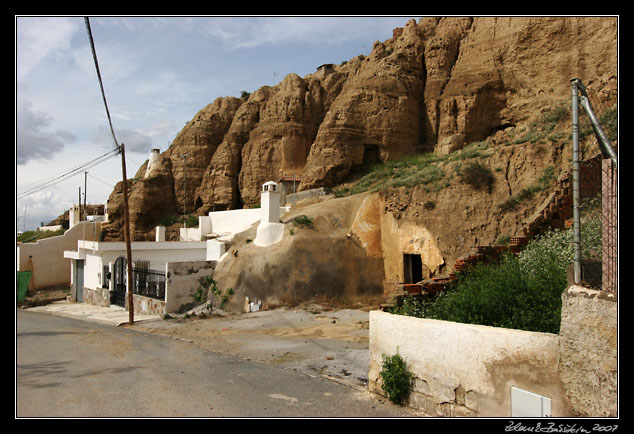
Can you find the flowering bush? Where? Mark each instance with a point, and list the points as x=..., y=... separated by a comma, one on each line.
x=557, y=246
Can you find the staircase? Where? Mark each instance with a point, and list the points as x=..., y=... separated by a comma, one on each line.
x=554, y=212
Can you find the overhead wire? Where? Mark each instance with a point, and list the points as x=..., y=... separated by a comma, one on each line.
x=55, y=179
x=103, y=93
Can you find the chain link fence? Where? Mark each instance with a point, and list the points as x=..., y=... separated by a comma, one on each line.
x=595, y=219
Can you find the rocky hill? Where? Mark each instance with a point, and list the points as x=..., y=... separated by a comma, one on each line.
x=436, y=86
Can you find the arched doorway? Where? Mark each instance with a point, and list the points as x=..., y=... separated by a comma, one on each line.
x=118, y=295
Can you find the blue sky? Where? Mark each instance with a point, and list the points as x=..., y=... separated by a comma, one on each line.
x=157, y=72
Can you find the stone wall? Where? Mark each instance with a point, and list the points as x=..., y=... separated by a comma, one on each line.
x=589, y=351
x=98, y=297
x=147, y=305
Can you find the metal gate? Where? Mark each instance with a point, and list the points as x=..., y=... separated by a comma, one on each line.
x=118, y=295
x=147, y=282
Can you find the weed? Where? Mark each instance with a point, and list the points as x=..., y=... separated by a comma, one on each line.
x=304, y=221
x=209, y=291
x=397, y=380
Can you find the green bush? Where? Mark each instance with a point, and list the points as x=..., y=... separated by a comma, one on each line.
x=397, y=380
x=498, y=295
x=478, y=176
x=521, y=292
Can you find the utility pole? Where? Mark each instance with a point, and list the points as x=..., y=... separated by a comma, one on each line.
x=184, y=191
x=85, y=188
x=126, y=232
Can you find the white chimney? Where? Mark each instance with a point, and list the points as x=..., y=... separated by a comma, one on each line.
x=270, y=230
x=153, y=162
x=270, y=202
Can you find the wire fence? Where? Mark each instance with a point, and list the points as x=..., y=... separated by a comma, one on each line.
x=595, y=216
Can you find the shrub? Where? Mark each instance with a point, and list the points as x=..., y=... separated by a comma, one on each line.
x=521, y=292
x=504, y=295
x=304, y=221
x=397, y=380
x=478, y=176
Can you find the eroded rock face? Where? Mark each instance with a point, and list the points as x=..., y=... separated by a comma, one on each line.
x=437, y=85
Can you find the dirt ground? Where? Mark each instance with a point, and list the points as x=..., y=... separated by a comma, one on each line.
x=44, y=296
x=314, y=338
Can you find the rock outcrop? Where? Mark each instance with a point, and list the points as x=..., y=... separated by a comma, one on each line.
x=435, y=86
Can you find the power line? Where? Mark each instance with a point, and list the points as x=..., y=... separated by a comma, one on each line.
x=103, y=93
x=35, y=187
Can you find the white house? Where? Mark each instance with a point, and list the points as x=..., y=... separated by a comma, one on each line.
x=98, y=269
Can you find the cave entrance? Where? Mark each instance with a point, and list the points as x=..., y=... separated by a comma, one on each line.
x=370, y=156
x=412, y=268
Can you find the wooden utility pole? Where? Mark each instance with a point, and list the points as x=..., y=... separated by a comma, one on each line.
x=126, y=232
x=85, y=190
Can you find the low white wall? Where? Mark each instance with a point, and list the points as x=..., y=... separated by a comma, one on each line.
x=49, y=228
x=234, y=221
x=45, y=258
x=215, y=250
x=465, y=369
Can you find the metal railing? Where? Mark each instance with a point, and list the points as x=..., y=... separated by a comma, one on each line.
x=146, y=282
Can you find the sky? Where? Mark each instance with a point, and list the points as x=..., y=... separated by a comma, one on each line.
x=157, y=73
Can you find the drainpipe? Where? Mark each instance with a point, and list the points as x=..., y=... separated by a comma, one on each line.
x=575, y=182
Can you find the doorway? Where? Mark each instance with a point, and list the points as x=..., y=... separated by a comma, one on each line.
x=118, y=295
x=412, y=268
x=370, y=156
x=79, y=281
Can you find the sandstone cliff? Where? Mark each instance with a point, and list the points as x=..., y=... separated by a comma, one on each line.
x=436, y=86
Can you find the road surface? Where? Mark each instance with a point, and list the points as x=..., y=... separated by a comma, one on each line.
x=76, y=369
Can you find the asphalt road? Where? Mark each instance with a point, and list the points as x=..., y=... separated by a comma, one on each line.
x=78, y=369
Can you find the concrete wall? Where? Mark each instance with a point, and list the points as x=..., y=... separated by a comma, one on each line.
x=234, y=221
x=45, y=258
x=182, y=283
x=589, y=351
x=465, y=369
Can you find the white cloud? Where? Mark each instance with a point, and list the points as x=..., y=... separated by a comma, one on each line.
x=251, y=32
x=33, y=140
x=39, y=38
x=134, y=140
x=40, y=207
